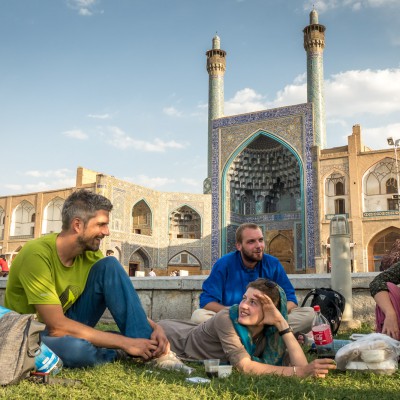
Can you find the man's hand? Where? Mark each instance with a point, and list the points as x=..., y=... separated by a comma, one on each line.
x=160, y=338
x=144, y=348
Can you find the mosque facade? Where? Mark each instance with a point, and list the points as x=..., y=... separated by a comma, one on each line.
x=269, y=167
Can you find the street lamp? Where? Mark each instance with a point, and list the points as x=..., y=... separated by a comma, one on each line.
x=396, y=144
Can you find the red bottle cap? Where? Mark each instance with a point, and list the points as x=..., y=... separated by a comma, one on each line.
x=317, y=308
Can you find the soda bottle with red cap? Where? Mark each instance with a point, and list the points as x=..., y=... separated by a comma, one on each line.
x=322, y=334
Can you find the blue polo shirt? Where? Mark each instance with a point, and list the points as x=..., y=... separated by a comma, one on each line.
x=229, y=277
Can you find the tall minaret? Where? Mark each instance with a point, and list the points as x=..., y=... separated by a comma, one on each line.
x=216, y=69
x=314, y=43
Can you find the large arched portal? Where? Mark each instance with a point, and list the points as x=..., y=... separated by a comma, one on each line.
x=263, y=171
x=380, y=245
x=263, y=185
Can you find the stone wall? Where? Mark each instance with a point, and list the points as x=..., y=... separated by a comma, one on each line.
x=177, y=297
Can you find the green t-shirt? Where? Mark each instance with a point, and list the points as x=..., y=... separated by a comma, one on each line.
x=37, y=276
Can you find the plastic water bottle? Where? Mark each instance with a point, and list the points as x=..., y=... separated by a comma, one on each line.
x=3, y=311
x=46, y=361
x=322, y=333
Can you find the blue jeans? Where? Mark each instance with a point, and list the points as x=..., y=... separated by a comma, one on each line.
x=108, y=286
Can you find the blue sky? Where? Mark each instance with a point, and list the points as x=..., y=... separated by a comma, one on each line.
x=121, y=87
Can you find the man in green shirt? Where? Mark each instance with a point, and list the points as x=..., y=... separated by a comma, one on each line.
x=65, y=279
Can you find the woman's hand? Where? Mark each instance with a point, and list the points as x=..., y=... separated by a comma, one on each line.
x=271, y=315
x=318, y=368
x=391, y=326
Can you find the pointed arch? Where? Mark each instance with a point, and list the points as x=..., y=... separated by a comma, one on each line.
x=281, y=188
x=185, y=222
x=281, y=247
x=142, y=217
x=118, y=253
x=139, y=260
x=379, y=245
x=184, y=258
x=379, y=182
x=21, y=220
x=52, y=219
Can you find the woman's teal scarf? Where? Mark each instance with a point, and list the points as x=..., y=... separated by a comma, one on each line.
x=275, y=346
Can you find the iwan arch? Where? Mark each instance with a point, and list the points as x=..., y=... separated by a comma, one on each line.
x=265, y=168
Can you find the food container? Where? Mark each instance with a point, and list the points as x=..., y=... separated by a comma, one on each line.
x=224, y=371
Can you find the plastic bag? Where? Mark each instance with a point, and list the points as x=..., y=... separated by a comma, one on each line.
x=375, y=352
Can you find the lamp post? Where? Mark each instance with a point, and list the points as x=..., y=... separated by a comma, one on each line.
x=341, y=267
x=396, y=144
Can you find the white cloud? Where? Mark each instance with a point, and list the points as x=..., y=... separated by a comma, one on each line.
x=363, y=92
x=13, y=186
x=350, y=97
x=119, y=139
x=172, y=112
x=347, y=94
x=44, y=180
x=100, y=116
x=76, y=134
x=191, y=182
x=245, y=100
x=84, y=7
x=325, y=5
x=154, y=183
x=380, y=134
x=58, y=173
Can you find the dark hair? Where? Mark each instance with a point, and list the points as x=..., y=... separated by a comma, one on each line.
x=108, y=252
x=241, y=228
x=270, y=288
x=392, y=257
x=83, y=204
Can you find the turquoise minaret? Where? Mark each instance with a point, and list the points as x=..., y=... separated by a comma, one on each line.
x=216, y=65
x=314, y=44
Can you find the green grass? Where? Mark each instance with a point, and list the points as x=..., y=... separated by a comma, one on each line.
x=126, y=380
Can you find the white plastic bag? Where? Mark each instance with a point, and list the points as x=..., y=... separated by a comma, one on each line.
x=375, y=352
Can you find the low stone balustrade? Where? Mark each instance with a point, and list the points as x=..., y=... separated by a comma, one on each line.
x=177, y=297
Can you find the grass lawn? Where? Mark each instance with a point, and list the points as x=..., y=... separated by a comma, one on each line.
x=125, y=380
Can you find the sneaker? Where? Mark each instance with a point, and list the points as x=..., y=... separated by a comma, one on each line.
x=172, y=362
x=124, y=356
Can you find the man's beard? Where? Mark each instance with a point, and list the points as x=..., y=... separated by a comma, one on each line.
x=251, y=257
x=88, y=244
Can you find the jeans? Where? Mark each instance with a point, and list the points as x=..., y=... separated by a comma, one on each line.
x=108, y=286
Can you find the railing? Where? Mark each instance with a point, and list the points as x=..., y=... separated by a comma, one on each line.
x=330, y=216
x=21, y=237
x=380, y=213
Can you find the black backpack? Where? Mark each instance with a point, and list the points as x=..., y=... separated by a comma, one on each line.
x=332, y=305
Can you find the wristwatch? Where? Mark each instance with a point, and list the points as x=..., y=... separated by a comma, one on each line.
x=285, y=331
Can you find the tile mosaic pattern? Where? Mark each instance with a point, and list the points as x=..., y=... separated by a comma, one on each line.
x=292, y=126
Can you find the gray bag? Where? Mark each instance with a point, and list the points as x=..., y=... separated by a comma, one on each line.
x=19, y=342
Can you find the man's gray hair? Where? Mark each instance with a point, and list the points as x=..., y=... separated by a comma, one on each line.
x=83, y=204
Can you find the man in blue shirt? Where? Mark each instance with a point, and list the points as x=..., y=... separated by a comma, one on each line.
x=230, y=275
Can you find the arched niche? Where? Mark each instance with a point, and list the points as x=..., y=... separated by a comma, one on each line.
x=141, y=218
x=23, y=220
x=52, y=220
x=185, y=223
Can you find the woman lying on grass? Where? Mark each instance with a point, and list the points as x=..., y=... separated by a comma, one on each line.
x=253, y=336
